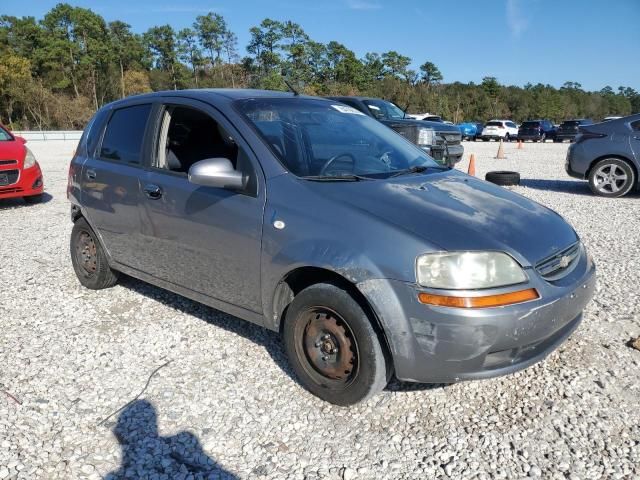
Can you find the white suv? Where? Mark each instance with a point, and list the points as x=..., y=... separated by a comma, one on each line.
x=499, y=130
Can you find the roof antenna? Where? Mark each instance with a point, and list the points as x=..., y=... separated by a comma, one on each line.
x=295, y=92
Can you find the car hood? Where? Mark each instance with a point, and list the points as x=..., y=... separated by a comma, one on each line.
x=454, y=211
x=12, y=150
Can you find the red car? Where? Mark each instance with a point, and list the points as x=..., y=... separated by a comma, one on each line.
x=20, y=174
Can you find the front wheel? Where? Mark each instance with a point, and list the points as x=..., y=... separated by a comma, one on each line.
x=88, y=258
x=611, y=177
x=333, y=347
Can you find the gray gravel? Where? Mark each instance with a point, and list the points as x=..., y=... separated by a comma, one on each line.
x=226, y=405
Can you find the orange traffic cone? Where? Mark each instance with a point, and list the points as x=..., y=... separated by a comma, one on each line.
x=520, y=145
x=500, y=154
x=472, y=165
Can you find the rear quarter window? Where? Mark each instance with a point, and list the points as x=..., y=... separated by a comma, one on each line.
x=124, y=135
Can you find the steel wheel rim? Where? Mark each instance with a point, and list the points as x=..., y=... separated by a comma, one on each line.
x=610, y=178
x=327, y=347
x=86, y=253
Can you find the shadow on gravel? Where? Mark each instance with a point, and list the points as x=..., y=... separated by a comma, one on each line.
x=20, y=202
x=268, y=339
x=561, y=186
x=565, y=186
x=146, y=454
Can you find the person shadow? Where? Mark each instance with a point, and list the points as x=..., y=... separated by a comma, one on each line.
x=146, y=454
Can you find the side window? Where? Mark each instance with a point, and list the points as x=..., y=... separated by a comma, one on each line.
x=125, y=134
x=511, y=125
x=188, y=135
x=636, y=125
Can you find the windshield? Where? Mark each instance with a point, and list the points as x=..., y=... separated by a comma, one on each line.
x=318, y=138
x=384, y=109
x=4, y=135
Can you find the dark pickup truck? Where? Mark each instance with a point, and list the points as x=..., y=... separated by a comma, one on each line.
x=439, y=140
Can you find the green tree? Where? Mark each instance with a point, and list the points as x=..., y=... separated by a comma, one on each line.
x=430, y=74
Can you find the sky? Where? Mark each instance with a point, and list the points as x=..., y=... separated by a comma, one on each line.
x=593, y=42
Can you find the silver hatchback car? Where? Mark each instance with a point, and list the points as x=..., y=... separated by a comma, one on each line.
x=307, y=217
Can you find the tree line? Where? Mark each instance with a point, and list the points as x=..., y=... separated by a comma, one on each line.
x=56, y=71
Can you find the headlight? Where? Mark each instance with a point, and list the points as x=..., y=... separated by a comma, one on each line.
x=468, y=270
x=29, y=159
x=426, y=136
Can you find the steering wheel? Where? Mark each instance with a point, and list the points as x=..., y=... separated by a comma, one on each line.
x=328, y=163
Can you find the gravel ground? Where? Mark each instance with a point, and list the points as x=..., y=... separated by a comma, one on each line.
x=226, y=406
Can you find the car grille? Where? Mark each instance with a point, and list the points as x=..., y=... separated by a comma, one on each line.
x=559, y=264
x=8, y=162
x=451, y=138
x=12, y=177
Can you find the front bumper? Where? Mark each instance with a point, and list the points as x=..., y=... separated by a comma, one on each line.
x=443, y=345
x=30, y=182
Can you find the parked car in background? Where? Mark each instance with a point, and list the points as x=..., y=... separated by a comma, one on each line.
x=608, y=155
x=20, y=174
x=471, y=130
x=569, y=129
x=432, y=118
x=441, y=141
x=536, y=131
x=307, y=217
x=499, y=130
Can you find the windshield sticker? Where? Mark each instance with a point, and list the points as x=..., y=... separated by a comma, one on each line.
x=346, y=109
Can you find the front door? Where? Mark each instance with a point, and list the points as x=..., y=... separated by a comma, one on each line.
x=206, y=239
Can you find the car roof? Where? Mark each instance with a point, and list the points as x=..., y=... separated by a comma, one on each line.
x=209, y=93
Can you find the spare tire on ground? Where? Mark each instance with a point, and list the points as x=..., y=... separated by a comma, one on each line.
x=503, y=178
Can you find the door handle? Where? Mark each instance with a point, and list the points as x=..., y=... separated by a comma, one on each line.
x=152, y=191
x=91, y=174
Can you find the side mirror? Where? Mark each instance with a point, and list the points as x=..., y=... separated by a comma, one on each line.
x=21, y=140
x=216, y=172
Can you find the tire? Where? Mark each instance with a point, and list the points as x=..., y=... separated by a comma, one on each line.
x=333, y=346
x=503, y=178
x=601, y=182
x=88, y=258
x=31, y=199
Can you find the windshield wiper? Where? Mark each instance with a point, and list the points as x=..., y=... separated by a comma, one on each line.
x=414, y=169
x=334, y=178
x=418, y=169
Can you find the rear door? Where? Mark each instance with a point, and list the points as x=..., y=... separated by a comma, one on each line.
x=110, y=182
x=206, y=239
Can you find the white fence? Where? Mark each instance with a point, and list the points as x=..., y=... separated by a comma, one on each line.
x=39, y=135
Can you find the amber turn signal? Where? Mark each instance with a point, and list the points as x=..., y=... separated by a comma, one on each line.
x=479, y=302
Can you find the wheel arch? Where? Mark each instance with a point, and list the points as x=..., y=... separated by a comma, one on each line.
x=300, y=278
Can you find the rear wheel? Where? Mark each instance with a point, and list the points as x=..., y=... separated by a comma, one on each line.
x=88, y=258
x=612, y=177
x=333, y=347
